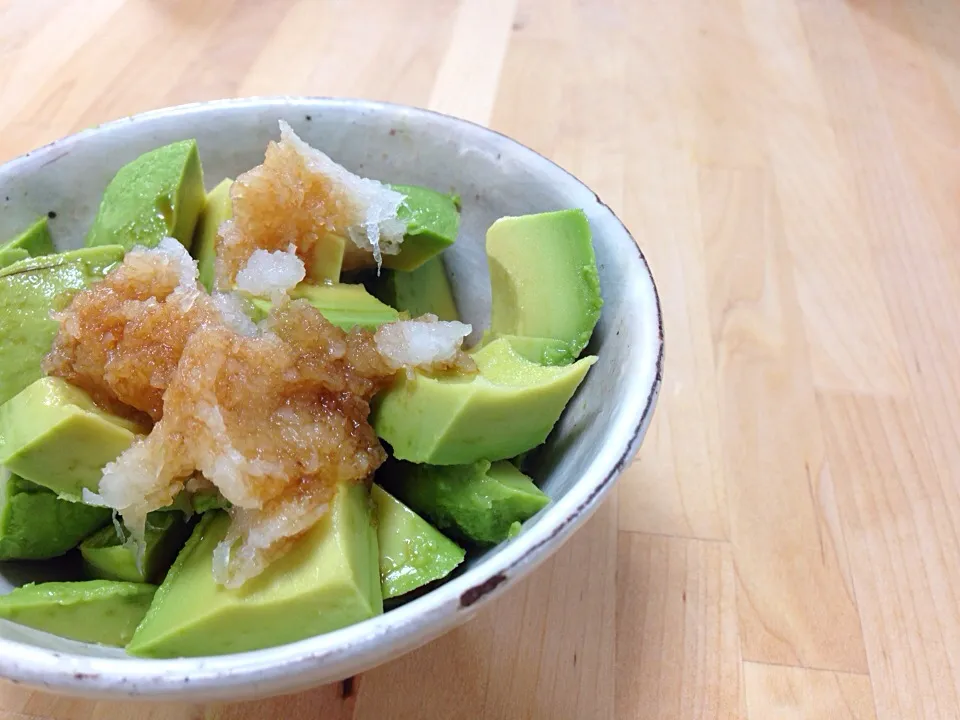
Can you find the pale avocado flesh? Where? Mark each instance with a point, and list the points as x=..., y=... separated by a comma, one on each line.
x=506, y=409
x=36, y=525
x=160, y=194
x=12, y=255
x=217, y=209
x=425, y=290
x=35, y=240
x=344, y=305
x=413, y=553
x=94, y=611
x=329, y=579
x=477, y=503
x=29, y=290
x=433, y=221
x=111, y=555
x=544, y=282
x=52, y=434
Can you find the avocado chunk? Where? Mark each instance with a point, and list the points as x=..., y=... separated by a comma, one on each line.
x=423, y=291
x=35, y=240
x=158, y=195
x=328, y=580
x=29, y=290
x=544, y=282
x=54, y=435
x=217, y=209
x=542, y=351
x=478, y=503
x=327, y=262
x=432, y=224
x=12, y=255
x=94, y=611
x=509, y=407
x=345, y=305
x=36, y=525
x=412, y=551
x=110, y=555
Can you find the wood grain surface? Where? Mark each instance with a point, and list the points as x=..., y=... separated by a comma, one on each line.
x=787, y=544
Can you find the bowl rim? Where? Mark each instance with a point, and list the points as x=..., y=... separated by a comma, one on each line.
x=288, y=668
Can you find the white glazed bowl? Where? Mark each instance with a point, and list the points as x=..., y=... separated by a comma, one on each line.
x=595, y=440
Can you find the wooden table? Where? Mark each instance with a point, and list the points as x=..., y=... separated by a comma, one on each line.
x=788, y=543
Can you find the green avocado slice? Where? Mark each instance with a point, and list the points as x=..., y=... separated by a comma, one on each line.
x=36, y=525
x=345, y=305
x=94, y=611
x=328, y=580
x=480, y=503
x=508, y=408
x=544, y=282
x=433, y=222
x=412, y=552
x=158, y=195
x=35, y=240
x=420, y=291
x=108, y=555
x=29, y=290
x=54, y=435
x=11, y=255
x=217, y=209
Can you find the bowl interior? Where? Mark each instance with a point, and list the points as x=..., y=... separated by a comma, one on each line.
x=493, y=176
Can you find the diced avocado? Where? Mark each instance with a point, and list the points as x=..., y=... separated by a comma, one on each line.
x=542, y=351
x=35, y=239
x=208, y=499
x=327, y=260
x=432, y=225
x=412, y=552
x=36, y=525
x=12, y=255
x=158, y=195
x=328, y=580
x=344, y=305
x=477, y=503
x=29, y=290
x=95, y=611
x=52, y=434
x=544, y=282
x=217, y=209
x=418, y=292
x=509, y=407
x=109, y=555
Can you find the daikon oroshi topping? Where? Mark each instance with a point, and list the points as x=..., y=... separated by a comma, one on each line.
x=271, y=274
x=422, y=343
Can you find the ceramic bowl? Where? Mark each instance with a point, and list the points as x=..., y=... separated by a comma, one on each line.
x=595, y=440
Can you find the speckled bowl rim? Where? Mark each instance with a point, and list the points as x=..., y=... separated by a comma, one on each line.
x=359, y=647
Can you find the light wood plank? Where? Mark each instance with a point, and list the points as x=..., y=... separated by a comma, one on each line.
x=850, y=338
x=905, y=554
x=41, y=58
x=466, y=85
x=794, y=602
x=775, y=692
x=677, y=487
x=678, y=654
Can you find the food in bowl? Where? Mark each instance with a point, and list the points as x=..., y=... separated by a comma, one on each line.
x=249, y=413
